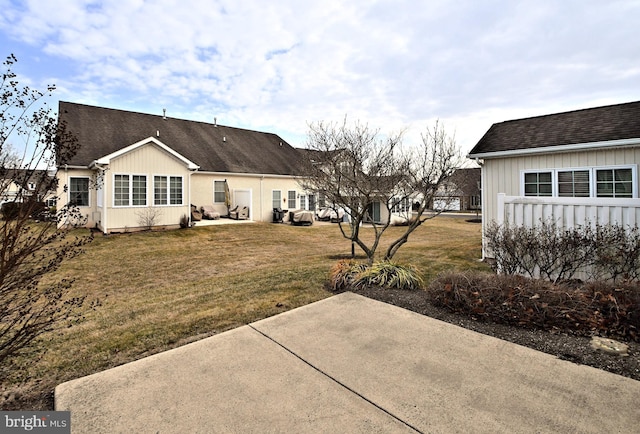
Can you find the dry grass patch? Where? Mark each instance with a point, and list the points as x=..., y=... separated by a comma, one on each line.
x=157, y=290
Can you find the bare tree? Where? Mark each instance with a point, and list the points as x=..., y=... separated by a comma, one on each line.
x=29, y=250
x=431, y=165
x=357, y=170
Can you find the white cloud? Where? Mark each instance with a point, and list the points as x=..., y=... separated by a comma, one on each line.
x=393, y=63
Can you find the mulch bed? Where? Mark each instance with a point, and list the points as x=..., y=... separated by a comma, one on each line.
x=562, y=343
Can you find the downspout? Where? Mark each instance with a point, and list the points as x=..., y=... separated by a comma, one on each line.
x=483, y=202
x=105, y=198
x=261, y=196
x=189, y=195
x=66, y=183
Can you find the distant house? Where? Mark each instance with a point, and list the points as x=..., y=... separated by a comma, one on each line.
x=396, y=210
x=575, y=168
x=132, y=164
x=20, y=185
x=460, y=192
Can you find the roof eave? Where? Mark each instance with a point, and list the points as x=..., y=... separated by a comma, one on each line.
x=621, y=143
x=107, y=158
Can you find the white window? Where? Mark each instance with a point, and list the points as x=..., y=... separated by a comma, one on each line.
x=139, y=190
x=615, y=182
x=291, y=198
x=121, y=191
x=322, y=201
x=129, y=190
x=538, y=184
x=303, y=202
x=401, y=205
x=276, y=199
x=79, y=191
x=219, y=192
x=167, y=190
x=573, y=183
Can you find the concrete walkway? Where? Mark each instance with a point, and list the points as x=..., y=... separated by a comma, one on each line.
x=348, y=364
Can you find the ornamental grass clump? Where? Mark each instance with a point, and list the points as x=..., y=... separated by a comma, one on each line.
x=347, y=275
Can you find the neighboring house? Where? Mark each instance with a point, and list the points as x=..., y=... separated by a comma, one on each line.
x=575, y=168
x=20, y=185
x=460, y=192
x=131, y=167
x=379, y=211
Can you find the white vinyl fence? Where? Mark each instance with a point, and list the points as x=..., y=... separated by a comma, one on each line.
x=567, y=212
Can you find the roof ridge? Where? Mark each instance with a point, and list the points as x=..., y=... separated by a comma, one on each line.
x=570, y=111
x=215, y=125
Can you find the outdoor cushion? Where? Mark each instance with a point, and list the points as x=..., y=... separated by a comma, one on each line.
x=209, y=212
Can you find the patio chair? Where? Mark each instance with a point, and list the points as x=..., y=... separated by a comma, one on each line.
x=240, y=214
x=196, y=216
x=209, y=212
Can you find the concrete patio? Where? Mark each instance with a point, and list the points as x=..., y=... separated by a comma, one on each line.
x=351, y=364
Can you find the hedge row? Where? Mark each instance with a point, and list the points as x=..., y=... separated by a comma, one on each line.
x=573, y=307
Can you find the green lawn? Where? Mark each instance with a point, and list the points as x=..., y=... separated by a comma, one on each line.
x=158, y=290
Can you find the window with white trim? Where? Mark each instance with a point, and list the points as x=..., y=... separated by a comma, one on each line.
x=121, y=190
x=322, y=200
x=167, y=190
x=401, y=205
x=219, y=192
x=573, y=183
x=538, y=184
x=129, y=190
x=139, y=190
x=614, y=182
x=79, y=191
x=276, y=199
x=291, y=198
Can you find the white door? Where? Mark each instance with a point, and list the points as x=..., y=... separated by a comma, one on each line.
x=243, y=198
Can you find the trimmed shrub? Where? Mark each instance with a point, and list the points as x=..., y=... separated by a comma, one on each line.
x=572, y=307
x=556, y=254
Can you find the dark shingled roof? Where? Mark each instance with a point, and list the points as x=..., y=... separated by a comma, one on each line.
x=102, y=131
x=613, y=122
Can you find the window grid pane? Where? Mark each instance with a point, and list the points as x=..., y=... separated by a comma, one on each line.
x=218, y=192
x=292, y=199
x=139, y=190
x=159, y=190
x=614, y=183
x=573, y=183
x=121, y=190
x=537, y=184
x=79, y=191
x=175, y=190
x=276, y=199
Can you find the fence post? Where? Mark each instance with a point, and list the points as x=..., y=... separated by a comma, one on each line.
x=500, y=209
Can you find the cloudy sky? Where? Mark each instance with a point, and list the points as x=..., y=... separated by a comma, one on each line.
x=278, y=65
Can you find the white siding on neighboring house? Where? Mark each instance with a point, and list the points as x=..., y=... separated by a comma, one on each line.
x=155, y=165
x=65, y=176
x=504, y=175
x=261, y=189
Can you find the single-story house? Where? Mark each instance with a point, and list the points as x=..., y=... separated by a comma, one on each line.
x=20, y=185
x=575, y=168
x=132, y=168
x=460, y=192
